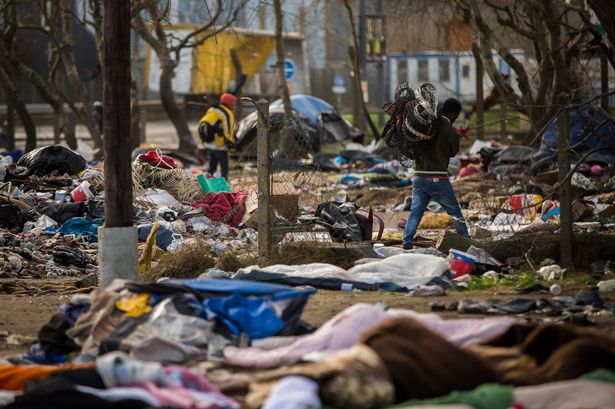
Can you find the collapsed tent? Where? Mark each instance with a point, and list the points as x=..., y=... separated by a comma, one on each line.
x=318, y=123
x=322, y=116
x=590, y=129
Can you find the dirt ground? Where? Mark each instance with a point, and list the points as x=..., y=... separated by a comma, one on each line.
x=24, y=315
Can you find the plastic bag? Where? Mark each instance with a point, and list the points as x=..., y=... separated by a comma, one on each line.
x=43, y=161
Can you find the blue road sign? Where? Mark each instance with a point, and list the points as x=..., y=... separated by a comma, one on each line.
x=289, y=68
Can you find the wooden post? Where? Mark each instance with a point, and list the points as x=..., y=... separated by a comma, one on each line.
x=565, y=200
x=604, y=80
x=264, y=186
x=117, y=257
x=116, y=114
x=480, y=94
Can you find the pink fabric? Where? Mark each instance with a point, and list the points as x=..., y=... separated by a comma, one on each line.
x=188, y=399
x=226, y=207
x=340, y=332
x=345, y=330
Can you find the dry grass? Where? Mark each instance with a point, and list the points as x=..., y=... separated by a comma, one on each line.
x=294, y=254
x=187, y=262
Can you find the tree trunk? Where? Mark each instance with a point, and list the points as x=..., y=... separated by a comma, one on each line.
x=72, y=74
x=24, y=116
x=10, y=123
x=281, y=66
x=176, y=115
x=287, y=141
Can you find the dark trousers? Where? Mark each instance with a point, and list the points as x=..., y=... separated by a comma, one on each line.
x=221, y=157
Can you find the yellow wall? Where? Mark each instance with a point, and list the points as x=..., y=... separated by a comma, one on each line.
x=212, y=66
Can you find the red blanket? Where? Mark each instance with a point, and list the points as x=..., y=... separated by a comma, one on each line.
x=226, y=207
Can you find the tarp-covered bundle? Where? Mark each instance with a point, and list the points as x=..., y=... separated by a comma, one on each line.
x=45, y=160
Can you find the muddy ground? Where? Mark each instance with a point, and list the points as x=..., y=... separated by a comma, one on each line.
x=25, y=314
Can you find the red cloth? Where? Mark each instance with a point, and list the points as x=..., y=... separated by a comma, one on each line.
x=226, y=207
x=467, y=171
x=164, y=161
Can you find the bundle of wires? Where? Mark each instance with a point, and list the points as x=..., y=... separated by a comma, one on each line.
x=412, y=115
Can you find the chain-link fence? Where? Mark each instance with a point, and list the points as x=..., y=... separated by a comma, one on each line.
x=290, y=172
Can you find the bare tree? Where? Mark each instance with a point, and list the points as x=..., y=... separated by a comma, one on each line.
x=149, y=20
x=557, y=34
x=58, y=18
x=8, y=33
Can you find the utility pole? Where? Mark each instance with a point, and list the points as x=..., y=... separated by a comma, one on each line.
x=118, y=237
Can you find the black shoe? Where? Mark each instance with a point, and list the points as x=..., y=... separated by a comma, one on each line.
x=407, y=246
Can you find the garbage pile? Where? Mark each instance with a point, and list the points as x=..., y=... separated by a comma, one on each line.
x=52, y=203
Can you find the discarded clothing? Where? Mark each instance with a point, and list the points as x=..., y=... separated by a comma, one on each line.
x=345, y=330
x=340, y=332
x=15, y=377
x=427, y=367
x=157, y=160
x=63, y=212
x=98, y=323
x=70, y=256
x=293, y=392
x=351, y=379
x=226, y=207
x=82, y=226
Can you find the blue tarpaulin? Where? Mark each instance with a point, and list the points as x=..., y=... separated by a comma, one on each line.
x=585, y=122
x=309, y=106
x=82, y=226
x=246, y=307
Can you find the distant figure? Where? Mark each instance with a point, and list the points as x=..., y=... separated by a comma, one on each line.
x=216, y=129
x=430, y=180
x=97, y=112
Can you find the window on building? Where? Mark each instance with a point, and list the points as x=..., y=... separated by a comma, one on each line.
x=402, y=70
x=444, y=70
x=423, y=72
x=465, y=71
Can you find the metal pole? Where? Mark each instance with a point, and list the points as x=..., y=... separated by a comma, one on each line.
x=264, y=185
x=563, y=161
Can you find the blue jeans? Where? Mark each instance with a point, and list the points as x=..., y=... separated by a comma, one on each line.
x=439, y=190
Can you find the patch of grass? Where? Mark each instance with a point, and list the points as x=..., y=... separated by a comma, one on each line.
x=484, y=283
x=189, y=261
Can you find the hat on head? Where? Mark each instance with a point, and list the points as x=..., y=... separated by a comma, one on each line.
x=228, y=99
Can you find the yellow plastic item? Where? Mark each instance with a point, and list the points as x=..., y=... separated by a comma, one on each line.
x=135, y=306
x=145, y=262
